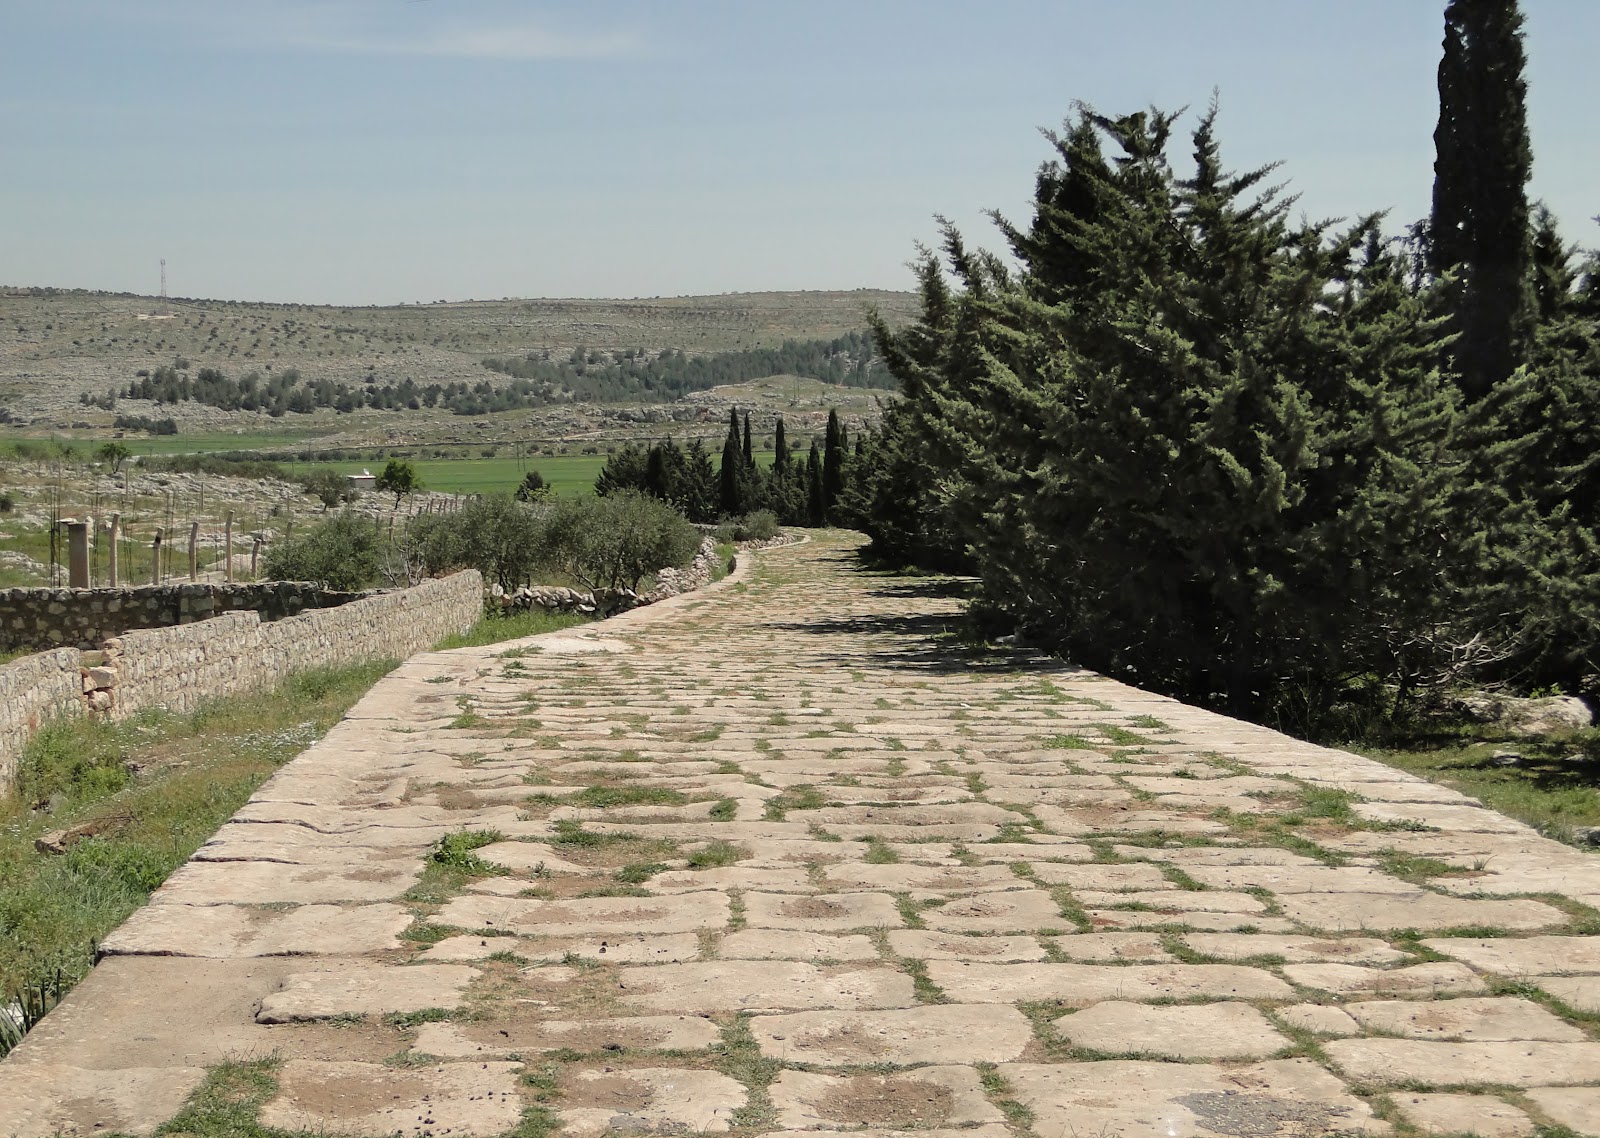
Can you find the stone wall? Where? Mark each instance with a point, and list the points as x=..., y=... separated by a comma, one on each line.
x=33, y=689
x=40, y=619
x=178, y=668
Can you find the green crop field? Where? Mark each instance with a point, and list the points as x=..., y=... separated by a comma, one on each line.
x=567, y=474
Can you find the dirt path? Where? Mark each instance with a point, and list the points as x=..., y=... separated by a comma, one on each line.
x=780, y=857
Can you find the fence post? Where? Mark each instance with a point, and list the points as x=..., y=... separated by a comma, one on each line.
x=111, y=561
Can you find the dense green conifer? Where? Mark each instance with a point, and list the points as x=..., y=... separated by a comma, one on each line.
x=1479, y=232
x=816, y=510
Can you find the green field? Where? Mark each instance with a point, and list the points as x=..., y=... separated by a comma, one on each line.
x=567, y=474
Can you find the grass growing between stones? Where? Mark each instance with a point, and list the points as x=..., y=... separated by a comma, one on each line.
x=228, y=1103
x=1548, y=788
x=492, y=629
x=150, y=790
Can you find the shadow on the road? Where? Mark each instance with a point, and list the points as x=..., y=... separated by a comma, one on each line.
x=923, y=643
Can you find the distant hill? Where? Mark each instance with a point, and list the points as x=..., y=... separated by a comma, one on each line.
x=59, y=347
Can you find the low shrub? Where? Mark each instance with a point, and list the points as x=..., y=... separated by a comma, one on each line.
x=616, y=541
x=344, y=552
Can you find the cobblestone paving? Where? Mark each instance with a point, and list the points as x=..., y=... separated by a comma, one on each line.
x=780, y=857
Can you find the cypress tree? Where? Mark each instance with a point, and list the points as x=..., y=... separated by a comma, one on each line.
x=832, y=463
x=1483, y=159
x=780, y=459
x=730, y=481
x=749, y=450
x=816, y=509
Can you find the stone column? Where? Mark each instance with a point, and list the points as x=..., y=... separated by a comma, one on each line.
x=227, y=544
x=77, y=553
x=194, y=551
x=155, y=557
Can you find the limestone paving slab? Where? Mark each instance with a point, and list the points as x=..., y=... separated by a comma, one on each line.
x=786, y=944
x=649, y=1100
x=749, y=985
x=1319, y=1019
x=1577, y=1108
x=1581, y=993
x=234, y=931
x=940, y=1033
x=933, y=879
x=1284, y=1098
x=1524, y=956
x=1294, y=949
x=1016, y=911
x=270, y=882
x=927, y=1096
x=921, y=944
x=685, y=912
x=822, y=912
x=490, y=1039
x=1478, y=1115
x=1185, y=1031
x=671, y=948
x=1350, y=912
x=1524, y=1063
x=967, y=982
x=51, y=1098
x=366, y=990
x=1114, y=946
x=1467, y=1019
x=1102, y=877
x=1434, y=978
x=371, y=1099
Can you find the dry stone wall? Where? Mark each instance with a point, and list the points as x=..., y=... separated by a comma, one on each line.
x=178, y=668
x=41, y=619
x=33, y=689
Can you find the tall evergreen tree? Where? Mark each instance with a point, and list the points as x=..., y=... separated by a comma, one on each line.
x=780, y=444
x=748, y=446
x=1187, y=441
x=1483, y=159
x=730, y=479
x=816, y=509
x=832, y=463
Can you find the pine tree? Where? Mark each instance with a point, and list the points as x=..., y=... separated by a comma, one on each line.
x=1483, y=160
x=700, y=487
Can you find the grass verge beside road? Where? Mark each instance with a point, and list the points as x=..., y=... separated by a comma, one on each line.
x=155, y=787
x=492, y=629
x=1550, y=784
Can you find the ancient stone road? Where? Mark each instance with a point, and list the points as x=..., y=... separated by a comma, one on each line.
x=777, y=857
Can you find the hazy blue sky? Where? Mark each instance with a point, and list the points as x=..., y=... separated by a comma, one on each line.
x=373, y=151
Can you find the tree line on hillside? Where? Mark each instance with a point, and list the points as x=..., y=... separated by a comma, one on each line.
x=536, y=380
x=796, y=491
x=1295, y=470
x=635, y=374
